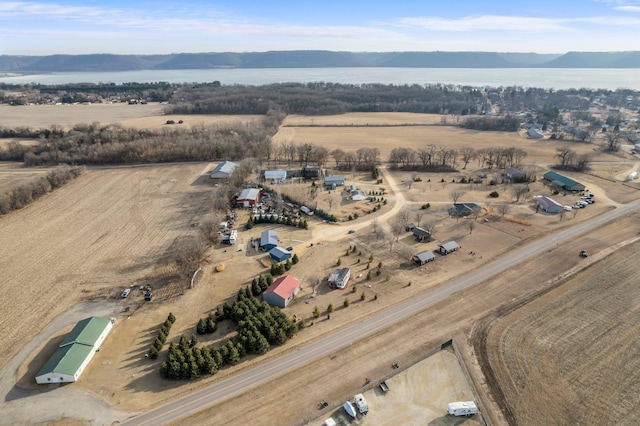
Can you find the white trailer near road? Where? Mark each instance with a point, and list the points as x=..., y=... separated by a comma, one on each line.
x=462, y=408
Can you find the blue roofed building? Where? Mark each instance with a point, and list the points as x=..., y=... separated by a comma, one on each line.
x=279, y=254
x=268, y=239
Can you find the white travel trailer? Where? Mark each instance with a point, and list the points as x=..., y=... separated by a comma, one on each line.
x=462, y=408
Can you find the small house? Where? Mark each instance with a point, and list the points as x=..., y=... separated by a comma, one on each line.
x=282, y=291
x=424, y=257
x=249, y=197
x=422, y=235
x=275, y=176
x=333, y=181
x=534, y=133
x=340, y=278
x=279, y=254
x=357, y=195
x=547, y=204
x=514, y=174
x=223, y=170
x=448, y=247
x=268, y=239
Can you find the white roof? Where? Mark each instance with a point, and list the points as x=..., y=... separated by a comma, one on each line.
x=330, y=422
x=225, y=167
x=249, y=194
x=461, y=404
x=275, y=174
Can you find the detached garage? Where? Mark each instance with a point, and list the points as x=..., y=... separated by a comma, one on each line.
x=279, y=254
x=75, y=352
x=281, y=292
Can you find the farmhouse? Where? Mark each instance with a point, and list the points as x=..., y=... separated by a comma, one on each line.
x=76, y=350
x=563, y=182
x=424, y=257
x=465, y=209
x=448, y=247
x=339, y=278
x=422, y=235
x=223, y=170
x=275, y=176
x=279, y=254
x=514, y=174
x=333, y=181
x=547, y=204
x=357, y=195
x=268, y=239
x=248, y=197
x=281, y=292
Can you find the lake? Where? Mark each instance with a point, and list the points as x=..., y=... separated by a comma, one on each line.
x=553, y=78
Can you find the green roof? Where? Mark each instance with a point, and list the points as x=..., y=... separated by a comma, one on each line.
x=86, y=331
x=75, y=347
x=563, y=181
x=66, y=360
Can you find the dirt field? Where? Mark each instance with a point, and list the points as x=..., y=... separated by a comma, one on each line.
x=150, y=116
x=107, y=230
x=417, y=396
x=578, y=338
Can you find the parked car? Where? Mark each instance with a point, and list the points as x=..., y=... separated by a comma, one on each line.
x=583, y=253
x=125, y=293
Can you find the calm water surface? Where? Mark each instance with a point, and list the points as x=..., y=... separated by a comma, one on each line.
x=525, y=77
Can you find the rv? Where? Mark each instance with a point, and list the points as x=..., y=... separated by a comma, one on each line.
x=306, y=210
x=361, y=403
x=463, y=408
x=233, y=236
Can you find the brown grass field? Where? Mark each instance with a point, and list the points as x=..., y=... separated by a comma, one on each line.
x=108, y=229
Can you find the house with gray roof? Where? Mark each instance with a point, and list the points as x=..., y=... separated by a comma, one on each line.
x=422, y=235
x=547, y=204
x=424, y=257
x=340, y=278
x=268, y=239
x=448, y=247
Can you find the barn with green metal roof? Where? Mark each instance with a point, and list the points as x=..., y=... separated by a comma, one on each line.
x=563, y=182
x=75, y=352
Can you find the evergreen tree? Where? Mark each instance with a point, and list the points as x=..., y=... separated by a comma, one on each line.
x=295, y=259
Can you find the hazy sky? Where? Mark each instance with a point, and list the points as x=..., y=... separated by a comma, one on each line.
x=141, y=27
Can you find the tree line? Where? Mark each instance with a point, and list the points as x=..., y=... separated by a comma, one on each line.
x=434, y=157
x=27, y=193
x=114, y=144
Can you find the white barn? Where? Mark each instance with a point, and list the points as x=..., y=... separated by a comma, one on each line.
x=75, y=352
x=223, y=170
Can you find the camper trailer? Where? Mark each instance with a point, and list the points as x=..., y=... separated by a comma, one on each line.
x=462, y=408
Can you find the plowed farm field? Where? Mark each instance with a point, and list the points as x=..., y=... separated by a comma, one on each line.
x=89, y=240
x=571, y=356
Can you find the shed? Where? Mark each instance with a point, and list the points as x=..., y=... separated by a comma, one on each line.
x=340, y=278
x=282, y=291
x=75, y=352
x=448, y=247
x=223, y=170
x=275, y=176
x=421, y=235
x=268, y=239
x=534, y=133
x=424, y=257
x=547, y=204
x=333, y=181
x=248, y=197
x=279, y=254
x=409, y=227
x=564, y=182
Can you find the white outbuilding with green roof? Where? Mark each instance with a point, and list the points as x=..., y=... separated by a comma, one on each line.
x=75, y=352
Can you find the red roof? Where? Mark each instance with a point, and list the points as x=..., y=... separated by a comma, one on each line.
x=284, y=286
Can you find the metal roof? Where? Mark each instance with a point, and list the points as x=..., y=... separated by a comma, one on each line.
x=339, y=274
x=275, y=174
x=562, y=181
x=450, y=246
x=249, y=194
x=419, y=232
x=333, y=179
x=425, y=256
x=284, y=286
x=66, y=360
x=278, y=253
x=269, y=237
x=86, y=331
x=225, y=167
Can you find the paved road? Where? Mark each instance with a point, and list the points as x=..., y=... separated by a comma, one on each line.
x=199, y=400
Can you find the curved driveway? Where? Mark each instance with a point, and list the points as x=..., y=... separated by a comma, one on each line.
x=239, y=383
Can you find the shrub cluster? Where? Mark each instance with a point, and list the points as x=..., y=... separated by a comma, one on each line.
x=259, y=326
x=27, y=193
x=162, y=336
x=280, y=220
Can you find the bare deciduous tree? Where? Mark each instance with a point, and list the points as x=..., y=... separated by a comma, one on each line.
x=520, y=192
x=404, y=216
x=456, y=195
x=467, y=154
x=397, y=228
x=504, y=209
x=471, y=224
